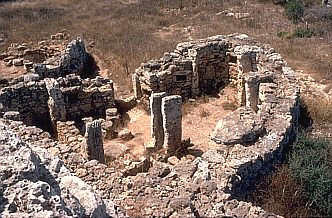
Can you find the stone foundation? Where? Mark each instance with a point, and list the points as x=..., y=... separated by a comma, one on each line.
x=207, y=185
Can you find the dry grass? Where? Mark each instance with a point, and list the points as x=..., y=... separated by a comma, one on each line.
x=281, y=194
x=127, y=34
x=320, y=109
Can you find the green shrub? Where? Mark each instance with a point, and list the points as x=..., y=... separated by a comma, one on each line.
x=298, y=33
x=310, y=162
x=294, y=10
x=303, y=33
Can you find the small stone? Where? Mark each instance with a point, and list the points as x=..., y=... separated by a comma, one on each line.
x=173, y=160
x=18, y=62
x=125, y=134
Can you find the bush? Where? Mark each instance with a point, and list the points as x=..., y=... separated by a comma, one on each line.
x=294, y=10
x=298, y=33
x=310, y=162
x=304, y=33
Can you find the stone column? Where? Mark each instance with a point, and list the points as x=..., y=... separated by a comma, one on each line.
x=56, y=101
x=137, y=86
x=93, y=147
x=172, y=122
x=157, y=132
x=246, y=63
x=252, y=91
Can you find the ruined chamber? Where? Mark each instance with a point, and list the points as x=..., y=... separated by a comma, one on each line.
x=247, y=141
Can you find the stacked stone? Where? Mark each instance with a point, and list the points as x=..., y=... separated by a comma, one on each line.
x=29, y=99
x=112, y=123
x=208, y=185
x=68, y=98
x=56, y=103
x=69, y=134
x=74, y=58
x=195, y=68
x=26, y=55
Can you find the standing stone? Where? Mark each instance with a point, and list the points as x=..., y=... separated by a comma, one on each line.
x=252, y=92
x=56, y=103
x=172, y=122
x=93, y=148
x=137, y=86
x=157, y=132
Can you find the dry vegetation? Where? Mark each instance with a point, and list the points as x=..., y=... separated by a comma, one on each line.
x=128, y=32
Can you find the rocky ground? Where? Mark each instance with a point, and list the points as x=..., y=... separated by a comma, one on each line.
x=35, y=183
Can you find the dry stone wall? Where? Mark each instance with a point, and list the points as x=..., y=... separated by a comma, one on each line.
x=207, y=185
x=195, y=68
x=73, y=60
x=66, y=98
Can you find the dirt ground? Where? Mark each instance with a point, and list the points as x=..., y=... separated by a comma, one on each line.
x=199, y=119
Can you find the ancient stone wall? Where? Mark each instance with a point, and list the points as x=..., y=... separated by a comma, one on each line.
x=212, y=184
x=73, y=60
x=29, y=99
x=62, y=99
x=195, y=68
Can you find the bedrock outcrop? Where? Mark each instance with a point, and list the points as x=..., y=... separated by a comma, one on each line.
x=37, y=184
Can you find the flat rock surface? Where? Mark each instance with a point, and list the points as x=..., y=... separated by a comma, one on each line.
x=240, y=127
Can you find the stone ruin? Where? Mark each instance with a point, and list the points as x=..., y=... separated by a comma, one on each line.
x=69, y=173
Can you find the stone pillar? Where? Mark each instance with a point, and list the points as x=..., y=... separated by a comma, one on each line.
x=195, y=81
x=246, y=63
x=172, y=122
x=93, y=147
x=56, y=101
x=252, y=91
x=137, y=86
x=157, y=132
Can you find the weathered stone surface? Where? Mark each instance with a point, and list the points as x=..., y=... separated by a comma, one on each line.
x=92, y=203
x=240, y=127
x=36, y=184
x=93, y=146
x=115, y=150
x=12, y=115
x=206, y=186
x=171, y=108
x=125, y=134
x=157, y=131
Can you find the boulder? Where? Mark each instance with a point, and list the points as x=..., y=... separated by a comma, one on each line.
x=242, y=126
x=125, y=134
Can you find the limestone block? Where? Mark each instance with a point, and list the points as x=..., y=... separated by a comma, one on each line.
x=229, y=132
x=157, y=132
x=56, y=101
x=12, y=115
x=93, y=146
x=171, y=109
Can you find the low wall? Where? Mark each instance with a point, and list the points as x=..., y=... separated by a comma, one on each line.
x=81, y=98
